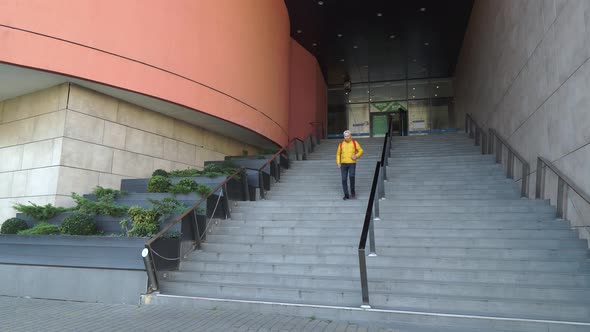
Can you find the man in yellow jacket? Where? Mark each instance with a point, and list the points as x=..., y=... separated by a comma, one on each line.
x=348, y=152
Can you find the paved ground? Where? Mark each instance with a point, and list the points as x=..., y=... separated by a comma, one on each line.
x=20, y=314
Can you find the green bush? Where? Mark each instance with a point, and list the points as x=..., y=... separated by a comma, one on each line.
x=158, y=184
x=144, y=222
x=78, y=224
x=39, y=212
x=160, y=172
x=184, y=186
x=166, y=207
x=104, y=206
x=210, y=170
x=42, y=228
x=203, y=190
x=106, y=194
x=13, y=226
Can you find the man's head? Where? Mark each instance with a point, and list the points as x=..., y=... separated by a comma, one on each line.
x=347, y=135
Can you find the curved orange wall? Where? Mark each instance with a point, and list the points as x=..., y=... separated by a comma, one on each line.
x=226, y=58
x=308, y=93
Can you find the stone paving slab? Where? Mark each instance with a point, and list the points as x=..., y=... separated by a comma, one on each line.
x=24, y=314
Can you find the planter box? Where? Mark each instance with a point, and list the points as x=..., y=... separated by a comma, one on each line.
x=169, y=248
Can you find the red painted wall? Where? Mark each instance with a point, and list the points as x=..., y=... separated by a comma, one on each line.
x=226, y=58
x=308, y=98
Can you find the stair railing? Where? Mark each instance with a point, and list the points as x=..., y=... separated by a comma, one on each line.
x=476, y=131
x=563, y=182
x=372, y=215
x=190, y=240
x=368, y=231
x=495, y=145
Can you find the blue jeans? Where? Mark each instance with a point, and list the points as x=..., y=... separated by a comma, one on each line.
x=347, y=170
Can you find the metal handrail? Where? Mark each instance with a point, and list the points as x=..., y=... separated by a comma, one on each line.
x=478, y=134
x=563, y=180
x=368, y=231
x=148, y=259
x=524, y=190
x=318, y=124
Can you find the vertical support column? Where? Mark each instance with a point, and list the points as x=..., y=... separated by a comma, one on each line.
x=510, y=165
x=196, y=231
x=245, y=187
x=364, y=280
x=296, y=150
x=149, y=268
x=498, y=151
x=490, y=141
x=524, y=189
x=476, y=136
x=484, y=142
x=380, y=186
x=261, y=184
x=540, y=183
x=561, y=198
x=372, y=252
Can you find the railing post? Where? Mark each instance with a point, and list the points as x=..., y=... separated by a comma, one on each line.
x=498, y=150
x=540, y=183
x=297, y=150
x=196, y=231
x=561, y=198
x=149, y=268
x=304, y=154
x=466, y=124
x=372, y=252
x=490, y=141
x=524, y=190
x=261, y=184
x=376, y=208
x=246, y=188
x=510, y=164
x=380, y=186
x=476, y=136
x=226, y=202
x=484, y=143
x=364, y=280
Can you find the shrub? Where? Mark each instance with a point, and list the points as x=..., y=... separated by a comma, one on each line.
x=144, y=222
x=13, y=226
x=39, y=212
x=160, y=172
x=104, y=206
x=158, y=184
x=78, y=224
x=166, y=207
x=184, y=186
x=203, y=190
x=106, y=194
x=42, y=228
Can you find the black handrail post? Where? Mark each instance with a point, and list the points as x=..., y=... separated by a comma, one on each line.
x=380, y=187
x=364, y=281
x=498, y=150
x=510, y=164
x=196, y=231
x=261, y=184
x=226, y=202
x=540, y=183
x=246, y=189
x=148, y=262
x=372, y=251
x=561, y=198
x=524, y=190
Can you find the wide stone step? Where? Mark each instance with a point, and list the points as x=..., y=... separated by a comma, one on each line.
x=397, y=209
x=487, y=290
x=397, y=215
x=351, y=270
x=559, y=310
x=394, y=202
x=417, y=232
x=390, y=250
x=414, y=224
x=399, y=261
x=325, y=239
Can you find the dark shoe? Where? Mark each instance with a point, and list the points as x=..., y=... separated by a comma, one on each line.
x=353, y=195
x=345, y=197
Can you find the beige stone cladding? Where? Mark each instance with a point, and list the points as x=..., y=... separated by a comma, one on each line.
x=68, y=139
x=524, y=70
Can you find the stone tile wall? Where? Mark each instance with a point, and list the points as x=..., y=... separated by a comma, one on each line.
x=524, y=71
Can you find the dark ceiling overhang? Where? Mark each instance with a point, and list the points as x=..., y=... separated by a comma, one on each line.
x=381, y=40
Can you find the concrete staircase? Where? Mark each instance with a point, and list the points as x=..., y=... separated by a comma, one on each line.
x=457, y=247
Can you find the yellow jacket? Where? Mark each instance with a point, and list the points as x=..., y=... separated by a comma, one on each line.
x=348, y=149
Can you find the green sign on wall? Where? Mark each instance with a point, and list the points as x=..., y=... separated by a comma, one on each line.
x=386, y=106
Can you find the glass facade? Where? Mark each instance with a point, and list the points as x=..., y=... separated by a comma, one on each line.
x=425, y=104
